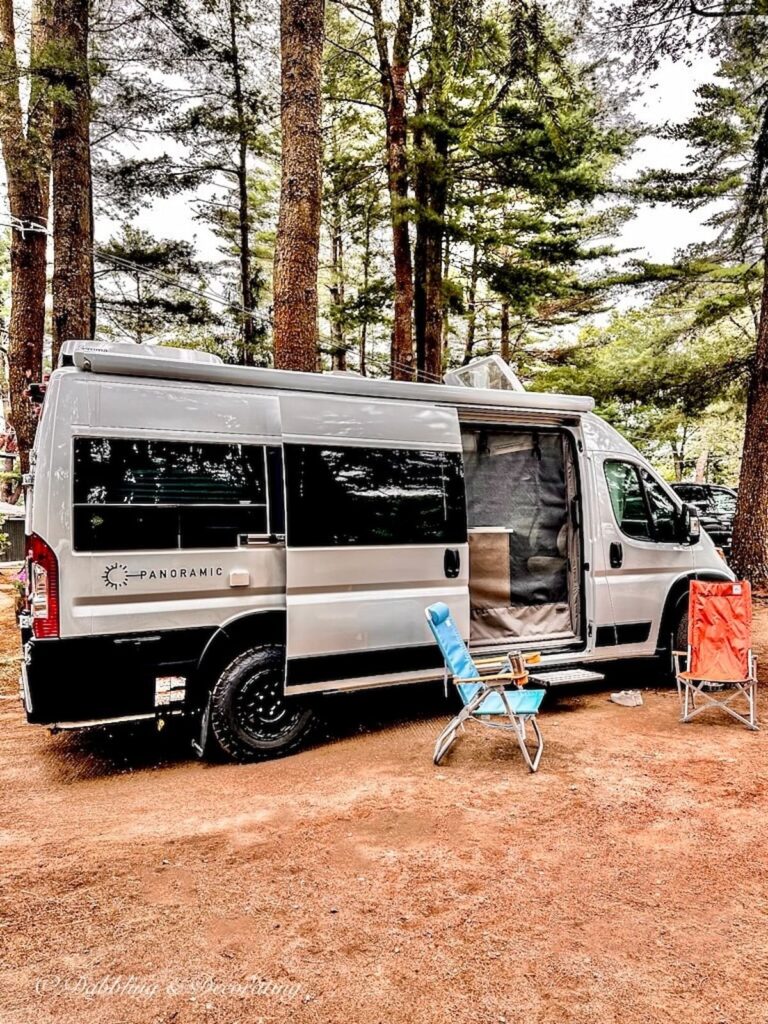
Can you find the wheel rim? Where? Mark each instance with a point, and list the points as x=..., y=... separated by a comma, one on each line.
x=261, y=711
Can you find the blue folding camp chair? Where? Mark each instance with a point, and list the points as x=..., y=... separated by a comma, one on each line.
x=484, y=696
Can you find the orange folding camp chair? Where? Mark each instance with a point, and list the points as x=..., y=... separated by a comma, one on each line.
x=720, y=668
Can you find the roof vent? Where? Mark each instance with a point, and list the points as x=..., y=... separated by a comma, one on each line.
x=491, y=373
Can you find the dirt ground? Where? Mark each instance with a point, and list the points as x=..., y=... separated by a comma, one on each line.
x=356, y=882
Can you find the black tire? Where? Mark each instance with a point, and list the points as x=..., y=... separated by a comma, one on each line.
x=681, y=631
x=250, y=718
x=678, y=639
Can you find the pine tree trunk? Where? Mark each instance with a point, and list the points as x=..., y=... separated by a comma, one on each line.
x=506, y=351
x=471, y=309
x=421, y=198
x=338, y=338
x=700, y=470
x=445, y=326
x=26, y=328
x=397, y=170
x=431, y=194
x=393, y=87
x=749, y=557
x=366, y=282
x=298, y=229
x=74, y=308
x=678, y=465
x=26, y=144
x=248, y=328
x=246, y=289
x=432, y=368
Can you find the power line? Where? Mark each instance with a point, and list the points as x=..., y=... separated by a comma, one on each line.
x=32, y=227
x=17, y=224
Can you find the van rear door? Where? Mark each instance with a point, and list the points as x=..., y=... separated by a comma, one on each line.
x=375, y=532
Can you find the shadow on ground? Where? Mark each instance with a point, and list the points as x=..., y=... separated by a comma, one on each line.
x=140, y=746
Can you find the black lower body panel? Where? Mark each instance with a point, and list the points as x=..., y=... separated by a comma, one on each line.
x=82, y=679
x=622, y=633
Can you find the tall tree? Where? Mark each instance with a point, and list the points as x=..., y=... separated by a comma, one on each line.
x=25, y=136
x=394, y=70
x=433, y=134
x=234, y=16
x=74, y=308
x=298, y=229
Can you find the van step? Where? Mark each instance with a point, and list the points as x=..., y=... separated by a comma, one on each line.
x=566, y=677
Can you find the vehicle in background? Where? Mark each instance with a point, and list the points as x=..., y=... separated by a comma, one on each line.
x=716, y=506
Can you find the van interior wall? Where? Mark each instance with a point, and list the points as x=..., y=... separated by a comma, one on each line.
x=523, y=549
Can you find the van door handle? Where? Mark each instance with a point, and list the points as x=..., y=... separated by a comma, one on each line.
x=616, y=555
x=452, y=563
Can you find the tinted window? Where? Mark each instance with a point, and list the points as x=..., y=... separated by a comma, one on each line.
x=627, y=499
x=148, y=494
x=642, y=507
x=664, y=513
x=724, y=503
x=696, y=495
x=116, y=471
x=340, y=496
x=691, y=492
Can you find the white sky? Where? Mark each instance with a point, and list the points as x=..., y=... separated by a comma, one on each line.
x=659, y=231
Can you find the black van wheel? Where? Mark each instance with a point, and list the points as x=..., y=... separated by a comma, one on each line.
x=681, y=631
x=675, y=640
x=251, y=719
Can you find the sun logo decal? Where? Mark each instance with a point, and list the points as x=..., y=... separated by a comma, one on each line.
x=115, y=576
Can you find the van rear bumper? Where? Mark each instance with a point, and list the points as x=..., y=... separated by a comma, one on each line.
x=94, y=678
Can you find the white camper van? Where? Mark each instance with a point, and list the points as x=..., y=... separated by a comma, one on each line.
x=230, y=543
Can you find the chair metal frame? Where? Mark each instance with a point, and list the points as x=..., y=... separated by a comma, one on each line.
x=688, y=689
x=719, y=635
x=514, y=722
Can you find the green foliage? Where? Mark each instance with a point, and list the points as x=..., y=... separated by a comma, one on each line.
x=180, y=89
x=662, y=379
x=520, y=139
x=533, y=147
x=148, y=287
x=355, y=281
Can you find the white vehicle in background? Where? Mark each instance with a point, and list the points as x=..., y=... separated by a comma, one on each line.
x=231, y=543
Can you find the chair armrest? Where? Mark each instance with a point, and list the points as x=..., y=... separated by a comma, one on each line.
x=491, y=661
x=680, y=654
x=506, y=676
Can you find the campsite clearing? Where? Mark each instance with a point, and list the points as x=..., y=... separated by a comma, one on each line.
x=357, y=882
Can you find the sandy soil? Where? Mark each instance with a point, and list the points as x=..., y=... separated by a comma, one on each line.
x=356, y=882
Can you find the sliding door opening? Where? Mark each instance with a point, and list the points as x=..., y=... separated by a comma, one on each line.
x=524, y=544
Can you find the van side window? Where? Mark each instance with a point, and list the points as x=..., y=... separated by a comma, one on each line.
x=627, y=499
x=664, y=513
x=642, y=507
x=133, y=494
x=355, y=495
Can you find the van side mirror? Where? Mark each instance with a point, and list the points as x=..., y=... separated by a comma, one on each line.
x=690, y=525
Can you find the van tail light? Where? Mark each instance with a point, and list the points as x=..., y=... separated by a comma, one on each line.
x=43, y=589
